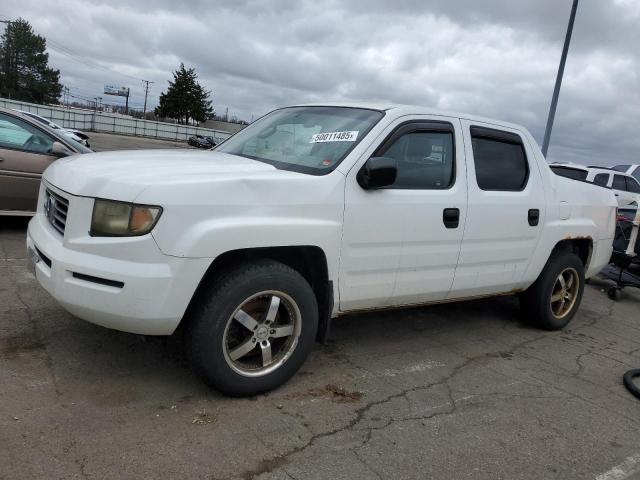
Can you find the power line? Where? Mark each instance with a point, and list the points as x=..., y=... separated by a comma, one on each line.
x=58, y=47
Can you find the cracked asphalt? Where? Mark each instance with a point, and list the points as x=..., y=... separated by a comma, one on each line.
x=445, y=392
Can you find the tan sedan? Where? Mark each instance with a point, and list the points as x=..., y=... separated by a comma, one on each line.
x=27, y=148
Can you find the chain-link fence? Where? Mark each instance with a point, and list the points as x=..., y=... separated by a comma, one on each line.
x=113, y=123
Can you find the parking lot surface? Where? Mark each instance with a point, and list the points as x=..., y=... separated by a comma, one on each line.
x=451, y=391
x=101, y=142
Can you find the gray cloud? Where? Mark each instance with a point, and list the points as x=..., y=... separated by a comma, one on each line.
x=496, y=58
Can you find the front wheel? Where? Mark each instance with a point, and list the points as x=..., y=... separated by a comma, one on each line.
x=253, y=330
x=552, y=301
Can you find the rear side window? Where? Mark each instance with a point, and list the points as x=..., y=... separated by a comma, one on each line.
x=632, y=185
x=500, y=160
x=619, y=183
x=636, y=174
x=570, y=173
x=601, y=179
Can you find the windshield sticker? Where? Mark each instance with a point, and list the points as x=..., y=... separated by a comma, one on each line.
x=335, y=137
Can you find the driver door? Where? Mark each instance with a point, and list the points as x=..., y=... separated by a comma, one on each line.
x=25, y=152
x=399, y=244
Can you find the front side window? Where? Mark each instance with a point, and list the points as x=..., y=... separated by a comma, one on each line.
x=619, y=183
x=601, y=179
x=310, y=140
x=500, y=160
x=18, y=135
x=424, y=159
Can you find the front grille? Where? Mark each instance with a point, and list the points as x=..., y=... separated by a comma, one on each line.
x=56, y=208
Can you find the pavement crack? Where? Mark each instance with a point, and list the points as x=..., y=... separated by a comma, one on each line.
x=280, y=461
x=366, y=465
x=36, y=333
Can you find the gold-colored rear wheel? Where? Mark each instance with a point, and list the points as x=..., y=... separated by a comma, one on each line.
x=565, y=292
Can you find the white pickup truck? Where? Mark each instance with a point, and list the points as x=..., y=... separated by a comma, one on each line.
x=309, y=213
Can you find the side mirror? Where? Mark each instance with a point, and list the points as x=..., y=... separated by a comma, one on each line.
x=377, y=172
x=59, y=150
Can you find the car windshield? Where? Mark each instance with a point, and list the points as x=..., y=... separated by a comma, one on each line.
x=310, y=140
x=42, y=120
x=53, y=127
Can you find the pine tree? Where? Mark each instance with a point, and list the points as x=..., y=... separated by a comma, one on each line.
x=24, y=70
x=185, y=99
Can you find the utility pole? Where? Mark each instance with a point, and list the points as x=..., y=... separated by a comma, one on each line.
x=146, y=92
x=126, y=105
x=556, y=90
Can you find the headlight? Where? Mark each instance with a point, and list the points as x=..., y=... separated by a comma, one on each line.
x=120, y=219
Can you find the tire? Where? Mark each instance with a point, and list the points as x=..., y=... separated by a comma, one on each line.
x=536, y=301
x=629, y=382
x=254, y=303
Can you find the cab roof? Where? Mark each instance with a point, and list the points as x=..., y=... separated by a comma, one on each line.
x=400, y=110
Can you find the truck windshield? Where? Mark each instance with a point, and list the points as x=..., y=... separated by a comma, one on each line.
x=310, y=140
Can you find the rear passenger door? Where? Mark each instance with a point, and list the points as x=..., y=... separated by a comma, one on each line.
x=505, y=214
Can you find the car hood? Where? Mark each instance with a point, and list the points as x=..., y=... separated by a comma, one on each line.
x=123, y=175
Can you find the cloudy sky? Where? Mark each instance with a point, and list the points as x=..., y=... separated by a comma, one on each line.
x=496, y=58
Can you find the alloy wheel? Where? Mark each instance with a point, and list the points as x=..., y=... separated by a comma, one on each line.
x=564, y=292
x=262, y=333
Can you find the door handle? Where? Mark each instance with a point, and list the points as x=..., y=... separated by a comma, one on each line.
x=534, y=217
x=451, y=217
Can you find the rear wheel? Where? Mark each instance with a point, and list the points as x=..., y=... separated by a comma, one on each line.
x=552, y=301
x=253, y=330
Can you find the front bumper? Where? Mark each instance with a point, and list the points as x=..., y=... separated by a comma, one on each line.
x=122, y=283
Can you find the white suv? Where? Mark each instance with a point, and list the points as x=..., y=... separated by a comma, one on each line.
x=624, y=186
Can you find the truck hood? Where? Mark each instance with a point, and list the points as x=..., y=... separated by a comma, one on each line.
x=123, y=175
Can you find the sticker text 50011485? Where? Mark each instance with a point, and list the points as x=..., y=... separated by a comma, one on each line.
x=349, y=136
